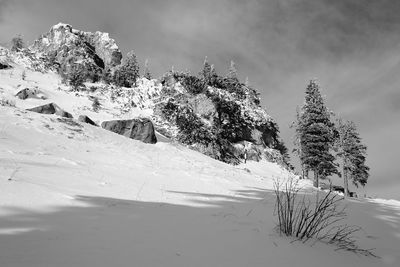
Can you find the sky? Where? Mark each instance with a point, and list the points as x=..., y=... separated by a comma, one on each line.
x=352, y=48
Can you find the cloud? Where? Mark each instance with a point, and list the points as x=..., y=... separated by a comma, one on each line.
x=4, y=4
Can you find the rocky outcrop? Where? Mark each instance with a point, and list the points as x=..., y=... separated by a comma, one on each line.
x=86, y=119
x=139, y=129
x=51, y=108
x=30, y=93
x=105, y=48
x=203, y=106
x=65, y=46
x=4, y=58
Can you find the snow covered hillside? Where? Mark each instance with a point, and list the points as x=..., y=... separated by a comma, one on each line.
x=72, y=194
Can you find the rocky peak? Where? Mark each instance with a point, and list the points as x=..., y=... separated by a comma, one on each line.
x=66, y=45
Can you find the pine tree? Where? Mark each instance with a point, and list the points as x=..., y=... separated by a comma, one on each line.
x=128, y=72
x=232, y=72
x=17, y=43
x=247, y=82
x=316, y=135
x=76, y=76
x=297, y=125
x=147, y=73
x=205, y=73
x=353, y=155
x=213, y=75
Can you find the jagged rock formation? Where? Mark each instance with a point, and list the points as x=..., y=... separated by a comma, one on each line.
x=65, y=46
x=141, y=129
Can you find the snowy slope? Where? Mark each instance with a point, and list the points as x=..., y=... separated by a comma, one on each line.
x=77, y=195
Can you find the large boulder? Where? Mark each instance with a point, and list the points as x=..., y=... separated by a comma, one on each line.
x=51, y=108
x=139, y=129
x=86, y=119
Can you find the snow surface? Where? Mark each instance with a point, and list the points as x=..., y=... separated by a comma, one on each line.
x=76, y=195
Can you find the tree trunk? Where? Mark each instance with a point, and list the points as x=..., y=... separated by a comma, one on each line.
x=316, y=182
x=345, y=180
x=306, y=173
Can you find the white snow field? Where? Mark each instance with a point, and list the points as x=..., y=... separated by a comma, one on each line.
x=73, y=194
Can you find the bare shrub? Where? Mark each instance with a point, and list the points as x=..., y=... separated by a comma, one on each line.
x=7, y=102
x=320, y=219
x=96, y=104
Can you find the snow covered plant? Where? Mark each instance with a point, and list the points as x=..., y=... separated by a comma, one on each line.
x=7, y=102
x=320, y=219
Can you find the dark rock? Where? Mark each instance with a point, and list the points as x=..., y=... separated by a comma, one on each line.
x=138, y=129
x=4, y=66
x=86, y=119
x=51, y=108
x=353, y=194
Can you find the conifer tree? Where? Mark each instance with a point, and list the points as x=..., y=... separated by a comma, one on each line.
x=147, y=73
x=206, y=72
x=297, y=125
x=17, y=43
x=353, y=155
x=247, y=82
x=232, y=72
x=76, y=76
x=213, y=75
x=128, y=72
x=316, y=133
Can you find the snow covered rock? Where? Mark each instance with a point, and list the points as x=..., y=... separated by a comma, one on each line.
x=51, y=108
x=30, y=93
x=86, y=119
x=139, y=129
x=65, y=46
x=105, y=47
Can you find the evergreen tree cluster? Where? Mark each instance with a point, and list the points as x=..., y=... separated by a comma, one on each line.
x=17, y=43
x=126, y=74
x=317, y=139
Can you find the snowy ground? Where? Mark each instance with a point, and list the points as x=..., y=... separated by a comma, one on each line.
x=76, y=195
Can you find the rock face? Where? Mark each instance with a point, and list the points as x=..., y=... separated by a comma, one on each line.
x=66, y=46
x=51, y=108
x=4, y=58
x=30, y=93
x=217, y=115
x=203, y=106
x=138, y=129
x=105, y=47
x=86, y=119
